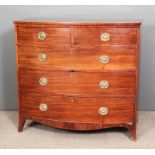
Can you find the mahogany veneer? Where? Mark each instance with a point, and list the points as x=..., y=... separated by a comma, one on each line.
x=78, y=76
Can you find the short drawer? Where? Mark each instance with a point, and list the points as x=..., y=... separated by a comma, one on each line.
x=96, y=59
x=39, y=36
x=77, y=109
x=91, y=36
x=61, y=82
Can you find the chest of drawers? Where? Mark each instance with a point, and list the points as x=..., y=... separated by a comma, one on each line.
x=78, y=76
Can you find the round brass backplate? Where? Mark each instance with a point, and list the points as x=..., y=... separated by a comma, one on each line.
x=42, y=57
x=41, y=35
x=103, y=111
x=43, y=107
x=104, y=59
x=104, y=84
x=43, y=81
x=105, y=37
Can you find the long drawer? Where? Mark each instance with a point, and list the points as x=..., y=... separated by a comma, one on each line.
x=77, y=109
x=38, y=36
x=61, y=82
x=108, y=58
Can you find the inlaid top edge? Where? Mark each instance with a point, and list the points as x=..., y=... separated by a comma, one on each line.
x=48, y=23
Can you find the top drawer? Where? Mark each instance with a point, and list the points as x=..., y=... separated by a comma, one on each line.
x=91, y=36
x=37, y=36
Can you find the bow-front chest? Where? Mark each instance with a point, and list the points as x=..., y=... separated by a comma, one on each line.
x=78, y=76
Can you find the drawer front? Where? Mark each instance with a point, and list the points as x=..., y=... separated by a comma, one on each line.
x=77, y=109
x=96, y=59
x=91, y=36
x=55, y=37
x=60, y=82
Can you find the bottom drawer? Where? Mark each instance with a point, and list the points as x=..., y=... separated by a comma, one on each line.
x=77, y=109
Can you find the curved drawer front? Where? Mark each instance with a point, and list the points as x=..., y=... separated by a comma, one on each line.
x=77, y=109
x=37, y=36
x=91, y=36
x=77, y=82
x=97, y=59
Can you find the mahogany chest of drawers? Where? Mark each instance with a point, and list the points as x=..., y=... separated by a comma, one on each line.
x=78, y=76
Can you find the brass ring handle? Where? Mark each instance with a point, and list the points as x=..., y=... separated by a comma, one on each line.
x=104, y=84
x=105, y=37
x=104, y=59
x=43, y=81
x=43, y=107
x=103, y=111
x=42, y=57
x=41, y=35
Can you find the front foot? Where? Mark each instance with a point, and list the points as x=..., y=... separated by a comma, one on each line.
x=21, y=123
x=132, y=132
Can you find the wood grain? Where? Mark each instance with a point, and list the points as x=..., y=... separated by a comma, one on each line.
x=55, y=37
x=91, y=36
x=61, y=82
x=77, y=109
x=120, y=58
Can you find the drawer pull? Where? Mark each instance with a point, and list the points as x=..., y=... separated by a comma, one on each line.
x=42, y=57
x=104, y=84
x=103, y=111
x=104, y=59
x=43, y=81
x=105, y=37
x=41, y=35
x=43, y=107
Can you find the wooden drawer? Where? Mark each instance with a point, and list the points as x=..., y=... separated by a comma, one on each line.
x=55, y=37
x=117, y=58
x=91, y=36
x=60, y=82
x=77, y=109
